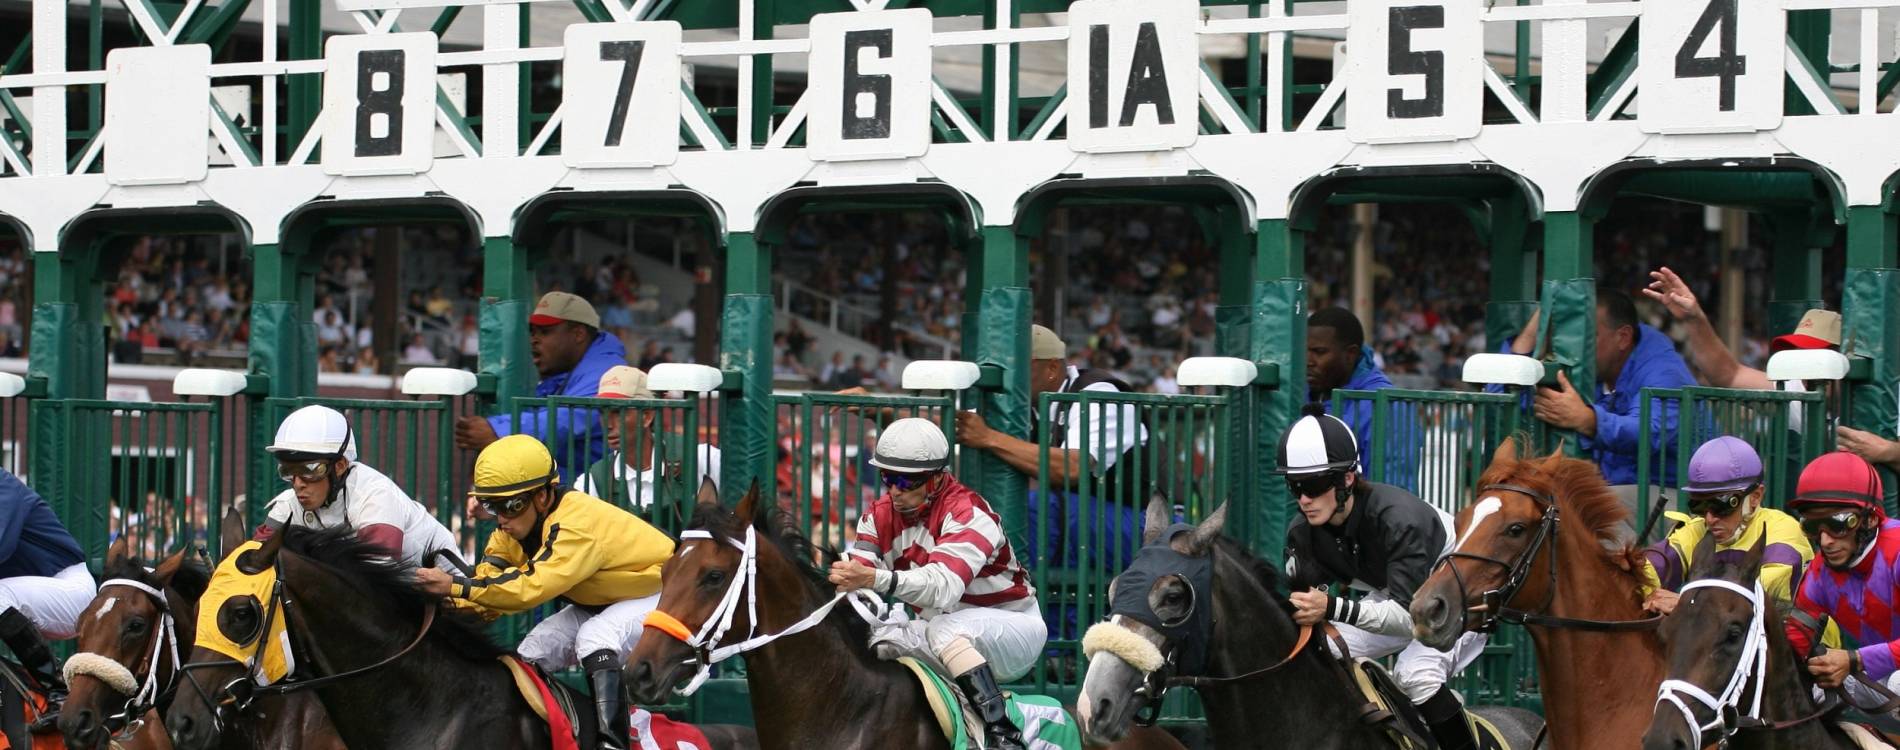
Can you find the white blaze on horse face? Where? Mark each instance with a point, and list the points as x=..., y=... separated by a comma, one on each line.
x=104, y=608
x=1484, y=509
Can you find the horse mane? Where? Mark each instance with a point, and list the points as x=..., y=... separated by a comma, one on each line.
x=1263, y=571
x=779, y=529
x=371, y=573
x=190, y=581
x=1582, y=496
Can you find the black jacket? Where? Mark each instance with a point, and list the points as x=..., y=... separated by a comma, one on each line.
x=1389, y=542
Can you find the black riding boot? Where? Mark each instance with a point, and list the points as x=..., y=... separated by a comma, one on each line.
x=610, y=702
x=23, y=637
x=979, y=685
x=1446, y=716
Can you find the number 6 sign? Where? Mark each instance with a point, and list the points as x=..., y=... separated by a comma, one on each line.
x=1711, y=66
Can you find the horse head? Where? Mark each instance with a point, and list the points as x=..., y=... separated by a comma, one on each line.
x=1160, y=626
x=1716, y=642
x=125, y=650
x=240, y=642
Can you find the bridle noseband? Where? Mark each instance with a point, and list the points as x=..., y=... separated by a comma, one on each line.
x=149, y=692
x=1750, y=678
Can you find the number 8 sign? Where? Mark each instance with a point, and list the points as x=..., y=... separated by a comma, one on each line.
x=1711, y=66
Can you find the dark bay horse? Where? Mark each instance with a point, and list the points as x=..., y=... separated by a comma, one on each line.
x=1303, y=699
x=130, y=639
x=1725, y=641
x=1547, y=544
x=818, y=688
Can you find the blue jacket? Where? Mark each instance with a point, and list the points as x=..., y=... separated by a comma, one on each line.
x=580, y=426
x=1357, y=414
x=32, y=540
x=1653, y=364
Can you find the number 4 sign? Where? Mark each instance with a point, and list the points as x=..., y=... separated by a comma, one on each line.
x=1711, y=66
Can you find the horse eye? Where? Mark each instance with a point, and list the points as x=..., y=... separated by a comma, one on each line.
x=712, y=577
x=135, y=626
x=1514, y=530
x=1734, y=633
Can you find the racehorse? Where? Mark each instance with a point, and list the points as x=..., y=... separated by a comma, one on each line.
x=1733, y=680
x=1546, y=545
x=821, y=687
x=393, y=668
x=131, y=639
x=1264, y=675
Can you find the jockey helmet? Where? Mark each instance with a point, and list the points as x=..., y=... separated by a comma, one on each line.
x=511, y=466
x=1724, y=464
x=314, y=431
x=1846, y=481
x=1318, y=443
x=912, y=446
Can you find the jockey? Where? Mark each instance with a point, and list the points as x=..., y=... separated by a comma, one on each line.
x=938, y=547
x=1381, y=540
x=1724, y=493
x=316, y=455
x=44, y=586
x=603, y=562
x=1853, y=577
x=642, y=462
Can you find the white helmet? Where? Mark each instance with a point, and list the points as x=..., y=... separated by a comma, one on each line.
x=912, y=446
x=317, y=430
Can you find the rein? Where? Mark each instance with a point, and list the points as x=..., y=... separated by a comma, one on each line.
x=1306, y=636
x=1496, y=601
x=1749, y=678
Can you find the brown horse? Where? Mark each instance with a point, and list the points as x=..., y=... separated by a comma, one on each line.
x=1546, y=544
x=816, y=688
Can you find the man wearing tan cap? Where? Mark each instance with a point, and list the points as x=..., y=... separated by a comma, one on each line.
x=571, y=354
x=644, y=470
x=1819, y=329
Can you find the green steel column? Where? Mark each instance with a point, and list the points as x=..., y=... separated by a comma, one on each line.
x=283, y=352
x=1570, y=302
x=1233, y=319
x=1005, y=314
x=747, y=421
x=1796, y=270
x=1513, y=284
x=1870, y=306
x=69, y=362
x=306, y=91
x=1278, y=335
x=1808, y=30
x=507, y=298
x=764, y=17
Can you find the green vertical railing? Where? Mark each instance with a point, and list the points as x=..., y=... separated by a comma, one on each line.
x=410, y=441
x=825, y=441
x=150, y=472
x=1787, y=428
x=663, y=452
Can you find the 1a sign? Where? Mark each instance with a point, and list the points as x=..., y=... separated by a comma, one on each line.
x=1711, y=66
x=620, y=94
x=870, y=85
x=379, y=103
x=1134, y=75
x=1416, y=69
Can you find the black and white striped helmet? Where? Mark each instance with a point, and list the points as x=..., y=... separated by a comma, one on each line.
x=1318, y=443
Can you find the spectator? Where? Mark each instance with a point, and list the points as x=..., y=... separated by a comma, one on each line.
x=367, y=363
x=649, y=356
x=1819, y=329
x=327, y=360
x=833, y=372
x=470, y=339
x=856, y=375
x=418, y=352
x=571, y=353
x=683, y=322
x=796, y=339
x=1166, y=384
x=1337, y=357
x=887, y=375
x=644, y=471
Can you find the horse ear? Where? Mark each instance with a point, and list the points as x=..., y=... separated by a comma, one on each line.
x=257, y=560
x=1704, y=563
x=1751, y=560
x=119, y=551
x=1160, y=513
x=231, y=531
x=169, y=566
x=1506, y=452
x=749, y=511
x=1208, y=530
x=708, y=492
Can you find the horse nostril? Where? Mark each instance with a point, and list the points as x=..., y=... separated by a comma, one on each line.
x=1435, y=610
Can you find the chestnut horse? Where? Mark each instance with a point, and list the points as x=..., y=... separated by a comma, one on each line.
x=820, y=687
x=1547, y=545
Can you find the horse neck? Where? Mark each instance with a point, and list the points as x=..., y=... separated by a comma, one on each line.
x=1595, y=681
x=1308, y=703
x=1788, y=697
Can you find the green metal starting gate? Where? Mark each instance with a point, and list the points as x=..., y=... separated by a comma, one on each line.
x=153, y=473
x=1787, y=428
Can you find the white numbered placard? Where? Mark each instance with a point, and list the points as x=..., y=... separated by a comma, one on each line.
x=379, y=103
x=870, y=85
x=1415, y=70
x=1711, y=66
x=158, y=114
x=620, y=94
x=1134, y=75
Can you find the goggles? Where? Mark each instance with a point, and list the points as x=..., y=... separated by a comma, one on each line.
x=308, y=471
x=906, y=482
x=510, y=506
x=1838, y=524
x=1311, y=485
x=1722, y=505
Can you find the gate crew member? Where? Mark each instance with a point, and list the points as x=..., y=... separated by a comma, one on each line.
x=571, y=353
x=1725, y=492
x=601, y=561
x=643, y=463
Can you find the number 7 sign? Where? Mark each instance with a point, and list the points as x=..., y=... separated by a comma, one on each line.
x=1711, y=66
x=620, y=96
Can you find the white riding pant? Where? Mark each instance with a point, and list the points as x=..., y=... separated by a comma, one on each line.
x=1009, y=636
x=560, y=641
x=1420, y=670
x=52, y=603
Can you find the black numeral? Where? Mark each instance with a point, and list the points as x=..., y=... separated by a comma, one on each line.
x=1725, y=65
x=628, y=53
x=856, y=84
x=372, y=101
x=1401, y=60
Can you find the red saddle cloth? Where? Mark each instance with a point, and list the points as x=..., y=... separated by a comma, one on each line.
x=653, y=731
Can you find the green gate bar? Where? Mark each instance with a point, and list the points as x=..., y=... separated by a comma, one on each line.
x=1787, y=428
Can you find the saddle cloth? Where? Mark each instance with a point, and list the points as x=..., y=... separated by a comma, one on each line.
x=1864, y=738
x=1388, y=704
x=1045, y=723
x=651, y=731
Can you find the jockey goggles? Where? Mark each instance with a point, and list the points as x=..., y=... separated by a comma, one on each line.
x=1721, y=504
x=1311, y=485
x=1835, y=524
x=510, y=506
x=308, y=471
x=906, y=482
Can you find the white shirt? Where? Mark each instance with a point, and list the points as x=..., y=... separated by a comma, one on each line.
x=643, y=485
x=1119, y=428
x=368, y=498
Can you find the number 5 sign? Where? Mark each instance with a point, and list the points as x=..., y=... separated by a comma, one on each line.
x=1416, y=69
x=1711, y=66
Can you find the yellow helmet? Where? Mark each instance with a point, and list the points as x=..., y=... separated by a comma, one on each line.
x=511, y=466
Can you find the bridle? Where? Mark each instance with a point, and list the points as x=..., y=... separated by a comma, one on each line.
x=236, y=697
x=1749, y=678
x=1497, y=601
x=149, y=691
x=1156, y=684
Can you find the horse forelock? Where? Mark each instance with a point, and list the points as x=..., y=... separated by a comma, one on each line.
x=1583, y=498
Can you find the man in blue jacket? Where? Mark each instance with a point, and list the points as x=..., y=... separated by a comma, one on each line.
x=571, y=353
x=44, y=586
x=1630, y=356
x=1337, y=358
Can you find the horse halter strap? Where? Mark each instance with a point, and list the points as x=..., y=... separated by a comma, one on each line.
x=1516, y=573
x=164, y=639
x=1750, y=675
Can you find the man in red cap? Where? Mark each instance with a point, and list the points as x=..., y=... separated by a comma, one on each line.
x=1818, y=329
x=571, y=353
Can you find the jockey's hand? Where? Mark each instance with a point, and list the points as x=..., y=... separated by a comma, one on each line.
x=473, y=433
x=1564, y=407
x=1830, y=668
x=476, y=511
x=433, y=582
x=1676, y=297
x=851, y=575
x=972, y=431
x=1661, y=602
x=1309, y=607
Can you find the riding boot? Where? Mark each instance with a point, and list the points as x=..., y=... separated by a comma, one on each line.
x=1446, y=717
x=610, y=702
x=23, y=637
x=979, y=685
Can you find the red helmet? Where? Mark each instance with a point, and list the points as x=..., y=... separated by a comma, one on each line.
x=1839, y=478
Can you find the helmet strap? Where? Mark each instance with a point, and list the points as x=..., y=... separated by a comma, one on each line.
x=1342, y=494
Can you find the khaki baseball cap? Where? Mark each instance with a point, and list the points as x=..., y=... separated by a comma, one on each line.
x=1819, y=329
x=1044, y=344
x=623, y=381
x=555, y=307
